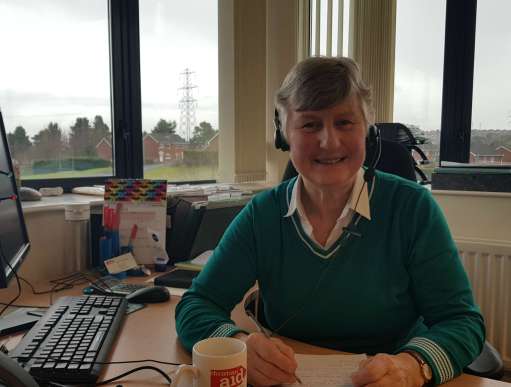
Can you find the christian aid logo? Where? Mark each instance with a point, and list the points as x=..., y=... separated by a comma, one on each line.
x=231, y=377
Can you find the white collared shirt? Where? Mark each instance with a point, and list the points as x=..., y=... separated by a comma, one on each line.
x=362, y=207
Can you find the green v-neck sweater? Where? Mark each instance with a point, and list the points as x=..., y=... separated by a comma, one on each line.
x=400, y=285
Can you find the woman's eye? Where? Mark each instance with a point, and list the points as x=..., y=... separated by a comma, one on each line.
x=344, y=122
x=311, y=125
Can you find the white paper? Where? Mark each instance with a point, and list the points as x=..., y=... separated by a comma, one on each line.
x=121, y=263
x=150, y=219
x=202, y=258
x=326, y=370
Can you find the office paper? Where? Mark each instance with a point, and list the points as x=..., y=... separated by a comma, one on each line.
x=144, y=204
x=326, y=370
x=121, y=263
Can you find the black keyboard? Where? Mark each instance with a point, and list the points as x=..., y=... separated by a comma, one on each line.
x=109, y=285
x=73, y=334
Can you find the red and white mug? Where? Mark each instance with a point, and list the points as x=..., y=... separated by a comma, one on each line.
x=217, y=362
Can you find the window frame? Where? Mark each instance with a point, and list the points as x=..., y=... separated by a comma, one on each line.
x=125, y=96
x=457, y=89
x=126, y=102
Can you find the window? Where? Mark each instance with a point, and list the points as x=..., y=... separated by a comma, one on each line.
x=55, y=87
x=179, y=82
x=491, y=107
x=419, y=58
x=329, y=27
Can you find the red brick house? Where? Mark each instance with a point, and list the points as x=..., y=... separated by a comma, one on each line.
x=104, y=149
x=505, y=152
x=151, y=149
x=486, y=159
x=163, y=149
x=212, y=144
x=157, y=149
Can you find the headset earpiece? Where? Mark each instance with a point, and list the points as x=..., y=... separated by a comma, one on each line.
x=280, y=141
x=372, y=139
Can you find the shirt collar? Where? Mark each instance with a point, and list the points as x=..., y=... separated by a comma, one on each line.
x=359, y=189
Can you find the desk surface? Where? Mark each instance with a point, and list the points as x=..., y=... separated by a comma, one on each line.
x=150, y=333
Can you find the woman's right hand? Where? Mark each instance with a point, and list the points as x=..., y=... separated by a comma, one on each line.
x=269, y=361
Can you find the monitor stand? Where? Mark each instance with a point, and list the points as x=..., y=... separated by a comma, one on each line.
x=21, y=319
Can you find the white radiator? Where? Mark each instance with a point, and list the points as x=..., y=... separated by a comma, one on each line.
x=488, y=265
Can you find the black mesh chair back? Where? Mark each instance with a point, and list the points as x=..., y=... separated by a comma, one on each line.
x=397, y=132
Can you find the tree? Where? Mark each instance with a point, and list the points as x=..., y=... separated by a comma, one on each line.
x=81, y=138
x=99, y=130
x=164, y=128
x=19, y=144
x=202, y=133
x=48, y=143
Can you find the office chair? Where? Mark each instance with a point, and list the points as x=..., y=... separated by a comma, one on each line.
x=399, y=133
x=488, y=364
x=395, y=159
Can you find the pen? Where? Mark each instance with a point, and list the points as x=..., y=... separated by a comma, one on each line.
x=133, y=235
x=265, y=332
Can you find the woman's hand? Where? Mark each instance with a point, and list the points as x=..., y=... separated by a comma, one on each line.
x=269, y=361
x=383, y=370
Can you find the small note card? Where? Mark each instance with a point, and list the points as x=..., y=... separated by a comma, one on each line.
x=121, y=263
x=327, y=370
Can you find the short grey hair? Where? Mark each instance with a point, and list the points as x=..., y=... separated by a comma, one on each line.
x=318, y=83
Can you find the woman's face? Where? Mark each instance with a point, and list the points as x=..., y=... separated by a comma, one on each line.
x=327, y=146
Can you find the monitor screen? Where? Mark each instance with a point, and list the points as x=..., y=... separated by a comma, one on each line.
x=14, y=243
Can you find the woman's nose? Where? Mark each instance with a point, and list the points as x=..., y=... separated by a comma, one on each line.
x=328, y=137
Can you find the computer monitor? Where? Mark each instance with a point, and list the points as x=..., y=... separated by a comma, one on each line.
x=14, y=243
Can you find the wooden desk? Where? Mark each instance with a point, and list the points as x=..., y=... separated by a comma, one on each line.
x=150, y=333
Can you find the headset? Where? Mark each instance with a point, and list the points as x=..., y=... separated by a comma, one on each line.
x=280, y=140
x=373, y=145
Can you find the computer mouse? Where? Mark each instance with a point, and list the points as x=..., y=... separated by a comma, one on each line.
x=149, y=295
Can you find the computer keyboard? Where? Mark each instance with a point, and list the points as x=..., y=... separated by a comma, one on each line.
x=71, y=336
x=110, y=285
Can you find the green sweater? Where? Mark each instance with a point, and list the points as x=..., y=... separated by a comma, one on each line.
x=400, y=285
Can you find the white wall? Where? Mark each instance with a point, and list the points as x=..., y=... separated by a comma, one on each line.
x=477, y=216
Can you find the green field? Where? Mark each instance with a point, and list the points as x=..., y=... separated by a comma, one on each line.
x=171, y=173
x=182, y=173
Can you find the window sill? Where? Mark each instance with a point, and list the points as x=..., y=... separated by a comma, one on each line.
x=56, y=203
x=472, y=179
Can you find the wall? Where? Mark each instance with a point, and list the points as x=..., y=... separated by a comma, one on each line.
x=258, y=42
x=483, y=216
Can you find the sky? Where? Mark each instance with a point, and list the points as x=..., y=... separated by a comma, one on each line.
x=420, y=34
x=54, y=62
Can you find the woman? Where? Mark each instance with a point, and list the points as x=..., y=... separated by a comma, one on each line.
x=350, y=259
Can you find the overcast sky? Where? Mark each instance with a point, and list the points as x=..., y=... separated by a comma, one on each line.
x=55, y=61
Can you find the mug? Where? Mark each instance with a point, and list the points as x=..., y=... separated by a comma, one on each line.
x=217, y=362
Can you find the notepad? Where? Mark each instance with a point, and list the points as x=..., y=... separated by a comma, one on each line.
x=326, y=370
x=197, y=263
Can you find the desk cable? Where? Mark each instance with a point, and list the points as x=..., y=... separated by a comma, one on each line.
x=160, y=371
x=6, y=305
x=67, y=285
